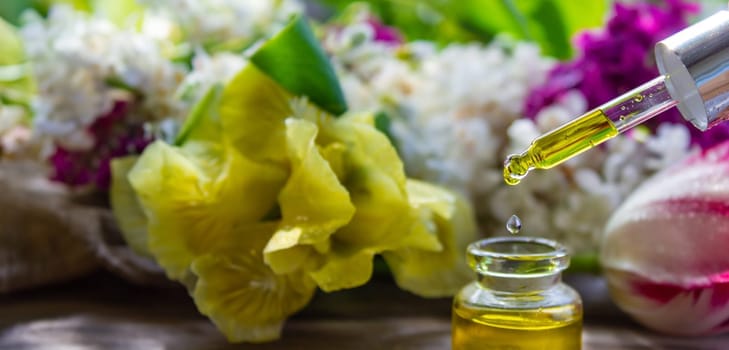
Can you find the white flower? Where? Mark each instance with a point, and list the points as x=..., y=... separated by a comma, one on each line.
x=10, y=117
x=78, y=59
x=521, y=133
x=460, y=105
x=569, y=106
x=210, y=22
x=207, y=71
x=668, y=146
x=581, y=194
x=456, y=114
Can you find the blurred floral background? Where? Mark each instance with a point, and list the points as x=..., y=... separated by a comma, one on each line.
x=258, y=151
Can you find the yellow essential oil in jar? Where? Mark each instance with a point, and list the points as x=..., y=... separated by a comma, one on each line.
x=518, y=301
x=561, y=144
x=494, y=328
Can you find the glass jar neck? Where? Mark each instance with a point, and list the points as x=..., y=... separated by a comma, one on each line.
x=519, y=284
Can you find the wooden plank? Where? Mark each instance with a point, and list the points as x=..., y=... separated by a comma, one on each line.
x=107, y=313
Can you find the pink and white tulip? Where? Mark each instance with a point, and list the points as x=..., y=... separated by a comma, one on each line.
x=666, y=249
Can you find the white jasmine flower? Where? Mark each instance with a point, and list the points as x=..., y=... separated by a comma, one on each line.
x=668, y=146
x=207, y=71
x=211, y=22
x=570, y=106
x=79, y=60
x=461, y=106
x=10, y=117
x=521, y=132
x=456, y=114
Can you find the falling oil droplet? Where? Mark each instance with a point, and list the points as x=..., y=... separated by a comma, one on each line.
x=513, y=225
x=638, y=98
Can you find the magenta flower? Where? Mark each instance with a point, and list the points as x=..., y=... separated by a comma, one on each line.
x=619, y=58
x=113, y=137
x=383, y=33
x=665, y=249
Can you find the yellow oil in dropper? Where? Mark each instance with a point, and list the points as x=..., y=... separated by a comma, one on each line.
x=590, y=129
x=575, y=137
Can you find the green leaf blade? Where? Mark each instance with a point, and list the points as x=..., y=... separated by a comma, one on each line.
x=294, y=59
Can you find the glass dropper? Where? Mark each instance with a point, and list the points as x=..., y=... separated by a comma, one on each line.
x=591, y=129
x=694, y=68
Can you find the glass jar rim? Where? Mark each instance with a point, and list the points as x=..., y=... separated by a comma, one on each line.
x=517, y=256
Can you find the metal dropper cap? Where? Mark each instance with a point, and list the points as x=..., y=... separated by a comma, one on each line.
x=695, y=62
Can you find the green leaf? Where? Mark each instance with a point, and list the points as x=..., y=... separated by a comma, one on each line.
x=10, y=10
x=12, y=45
x=195, y=126
x=81, y=5
x=384, y=125
x=549, y=23
x=16, y=83
x=118, y=11
x=584, y=263
x=294, y=59
x=429, y=20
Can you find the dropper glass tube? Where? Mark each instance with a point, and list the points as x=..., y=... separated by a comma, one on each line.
x=591, y=129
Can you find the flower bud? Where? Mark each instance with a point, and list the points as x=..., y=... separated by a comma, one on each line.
x=666, y=249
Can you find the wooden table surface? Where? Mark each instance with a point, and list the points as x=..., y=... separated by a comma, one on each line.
x=102, y=312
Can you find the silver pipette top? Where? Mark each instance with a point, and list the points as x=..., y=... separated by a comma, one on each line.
x=695, y=62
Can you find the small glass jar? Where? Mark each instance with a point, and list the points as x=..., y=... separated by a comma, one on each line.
x=519, y=300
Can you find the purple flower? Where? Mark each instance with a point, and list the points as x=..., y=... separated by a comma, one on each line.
x=113, y=137
x=383, y=33
x=619, y=58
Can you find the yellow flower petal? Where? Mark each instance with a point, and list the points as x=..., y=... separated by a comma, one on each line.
x=189, y=207
x=345, y=268
x=293, y=258
x=370, y=170
x=383, y=216
x=375, y=178
x=313, y=203
x=252, y=112
x=245, y=299
x=442, y=273
x=312, y=198
x=334, y=154
x=424, y=232
x=359, y=131
x=125, y=206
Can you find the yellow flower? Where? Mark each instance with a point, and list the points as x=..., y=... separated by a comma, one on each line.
x=252, y=112
x=245, y=299
x=265, y=197
x=313, y=203
x=202, y=218
x=436, y=273
x=125, y=205
x=345, y=199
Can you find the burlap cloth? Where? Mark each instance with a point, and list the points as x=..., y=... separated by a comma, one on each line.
x=49, y=233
